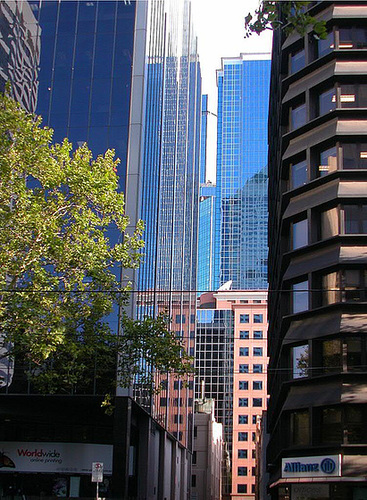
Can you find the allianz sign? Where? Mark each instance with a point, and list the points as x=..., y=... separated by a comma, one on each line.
x=324, y=466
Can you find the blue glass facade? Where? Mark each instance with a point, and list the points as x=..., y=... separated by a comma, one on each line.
x=241, y=196
x=205, y=281
x=203, y=143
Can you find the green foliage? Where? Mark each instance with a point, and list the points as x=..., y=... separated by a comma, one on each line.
x=296, y=19
x=57, y=266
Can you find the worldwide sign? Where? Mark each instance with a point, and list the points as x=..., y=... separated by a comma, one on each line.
x=312, y=466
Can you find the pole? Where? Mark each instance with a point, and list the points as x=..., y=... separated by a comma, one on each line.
x=97, y=490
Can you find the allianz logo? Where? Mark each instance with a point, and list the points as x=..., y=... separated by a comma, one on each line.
x=327, y=466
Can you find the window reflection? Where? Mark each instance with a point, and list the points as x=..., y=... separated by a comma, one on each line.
x=297, y=60
x=353, y=38
x=300, y=361
x=332, y=356
x=298, y=116
x=300, y=297
x=325, y=46
x=327, y=101
x=354, y=155
x=329, y=223
x=299, y=174
x=300, y=428
x=299, y=234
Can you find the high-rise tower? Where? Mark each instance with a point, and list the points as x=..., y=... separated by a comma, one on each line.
x=241, y=186
x=317, y=259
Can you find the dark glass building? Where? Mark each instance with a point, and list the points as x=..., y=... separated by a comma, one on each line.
x=125, y=75
x=317, y=258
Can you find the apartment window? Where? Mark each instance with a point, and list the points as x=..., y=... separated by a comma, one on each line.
x=300, y=297
x=297, y=60
x=257, y=402
x=244, y=318
x=258, y=334
x=194, y=457
x=244, y=334
x=327, y=101
x=242, y=402
x=299, y=234
x=241, y=488
x=243, y=436
x=177, y=401
x=355, y=219
x=180, y=318
x=353, y=38
x=243, y=368
x=192, y=318
x=348, y=285
x=193, y=480
x=163, y=401
x=242, y=454
x=254, y=419
x=354, y=156
x=327, y=161
x=244, y=351
x=254, y=436
x=257, y=368
x=300, y=428
x=242, y=471
x=257, y=351
x=300, y=361
x=177, y=384
x=243, y=419
x=298, y=174
x=254, y=454
x=257, y=385
x=195, y=431
x=258, y=318
x=243, y=385
x=298, y=116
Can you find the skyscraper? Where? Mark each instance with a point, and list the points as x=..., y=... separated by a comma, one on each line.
x=317, y=259
x=125, y=75
x=241, y=186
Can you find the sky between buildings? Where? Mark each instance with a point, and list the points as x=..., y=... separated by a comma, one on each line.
x=219, y=25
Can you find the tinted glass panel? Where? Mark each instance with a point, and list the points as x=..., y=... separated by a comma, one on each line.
x=299, y=174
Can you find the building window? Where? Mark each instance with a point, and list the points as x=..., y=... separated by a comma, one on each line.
x=180, y=319
x=329, y=223
x=243, y=419
x=355, y=219
x=348, y=285
x=244, y=351
x=257, y=368
x=242, y=454
x=244, y=334
x=297, y=60
x=298, y=116
x=178, y=419
x=300, y=297
x=258, y=318
x=353, y=96
x=194, y=457
x=195, y=431
x=328, y=161
x=254, y=419
x=332, y=356
x=241, y=488
x=243, y=385
x=192, y=318
x=163, y=401
x=193, y=480
x=242, y=471
x=243, y=368
x=258, y=334
x=300, y=361
x=299, y=234
x=257, y=351
x=298, y=174
x=177, y=384
x=327, y=101
x=352, y=37
x=243, y=436
x=331, y=425
x=177, y=402
x=257, y=385
x=253, y=454
x=300, y=428
x=242, y=402
x=354, y=156
x=325, y=46
x=244, y=318
x=257, y=402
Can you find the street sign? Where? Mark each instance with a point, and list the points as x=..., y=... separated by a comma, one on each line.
x=97, y=472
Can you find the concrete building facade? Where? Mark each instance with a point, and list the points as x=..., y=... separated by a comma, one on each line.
x=231, y=359
x=317, y=259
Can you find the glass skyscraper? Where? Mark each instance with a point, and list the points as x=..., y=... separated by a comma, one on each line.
x=241, y=189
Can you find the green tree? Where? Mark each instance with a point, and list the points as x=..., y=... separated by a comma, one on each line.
x=292, y=15
x=58, y=268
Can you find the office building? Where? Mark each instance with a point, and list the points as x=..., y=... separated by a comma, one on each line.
x=231, y=362
x=317, y=259
x=122, y=75
x=205, y=276
x=206, y=479
x=241, y=185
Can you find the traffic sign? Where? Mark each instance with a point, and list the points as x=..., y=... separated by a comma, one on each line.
x=97, y=472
